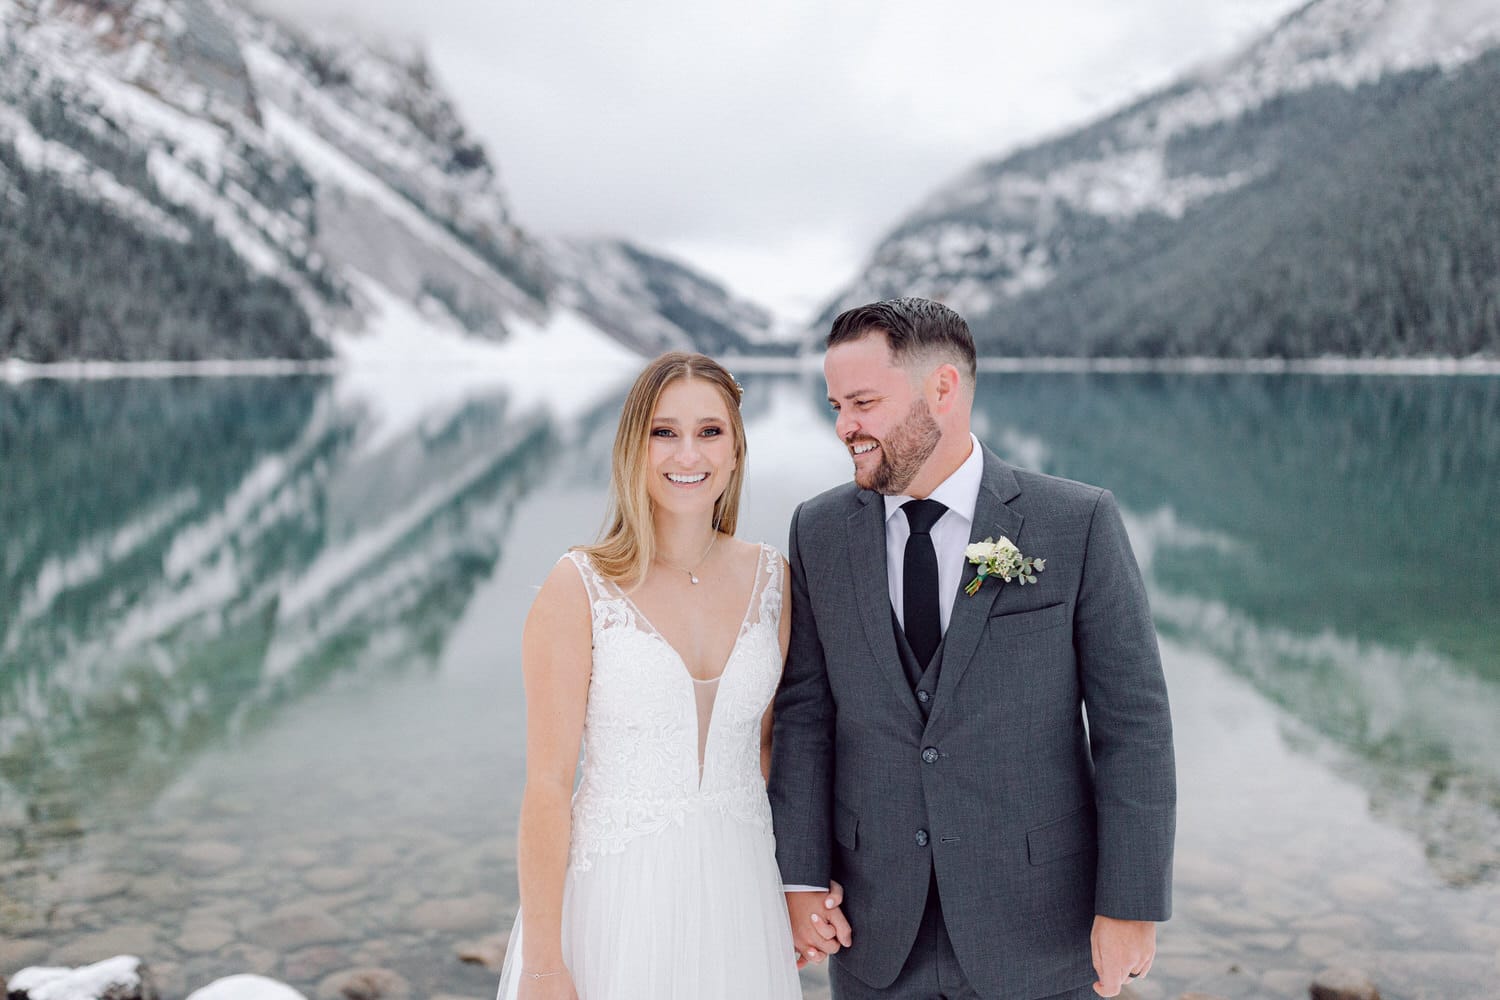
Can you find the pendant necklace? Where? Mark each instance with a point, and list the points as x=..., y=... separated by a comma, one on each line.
x=693, y=576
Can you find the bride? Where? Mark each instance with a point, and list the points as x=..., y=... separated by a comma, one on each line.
x=658, y=651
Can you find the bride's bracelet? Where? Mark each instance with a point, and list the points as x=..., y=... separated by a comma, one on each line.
x=542, y=975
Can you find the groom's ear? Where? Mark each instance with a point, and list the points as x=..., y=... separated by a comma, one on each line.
x=947, y=387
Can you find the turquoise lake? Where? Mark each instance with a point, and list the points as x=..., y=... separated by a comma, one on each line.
x=260, y=698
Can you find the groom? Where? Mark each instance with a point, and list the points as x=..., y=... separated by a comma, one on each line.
x=989, y=776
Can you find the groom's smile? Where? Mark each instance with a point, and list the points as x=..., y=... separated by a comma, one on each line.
x=883, y=415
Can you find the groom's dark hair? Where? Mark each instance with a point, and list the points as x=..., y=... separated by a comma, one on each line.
x=912, y=326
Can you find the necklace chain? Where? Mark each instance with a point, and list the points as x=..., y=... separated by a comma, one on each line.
x=692, y=574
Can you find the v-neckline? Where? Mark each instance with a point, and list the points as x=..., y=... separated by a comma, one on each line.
x=738, y=634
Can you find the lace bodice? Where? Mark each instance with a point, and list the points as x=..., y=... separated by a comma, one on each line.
x=641, y=768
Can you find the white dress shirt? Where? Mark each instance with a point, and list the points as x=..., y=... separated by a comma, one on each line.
x=950, y=536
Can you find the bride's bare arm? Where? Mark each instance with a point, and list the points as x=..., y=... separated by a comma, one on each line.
x=556, y=659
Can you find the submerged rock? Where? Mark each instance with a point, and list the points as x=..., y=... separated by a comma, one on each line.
x=314, y=962
x=18, y=953
x=331, y=879
x=464, y=913
x=209, y=857
x=127, y=939
x=124, y=977
x=92, y=886
x=367, y=983
x=296, y=925
x=203, y=937
x=487, y=951
x=1343, y=984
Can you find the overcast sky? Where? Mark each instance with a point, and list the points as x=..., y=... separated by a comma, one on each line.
x=771, y=144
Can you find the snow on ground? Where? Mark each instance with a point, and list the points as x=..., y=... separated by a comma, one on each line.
x=245, y=987
x=111, y=977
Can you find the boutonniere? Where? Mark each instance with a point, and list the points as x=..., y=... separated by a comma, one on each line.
x=1001, y=558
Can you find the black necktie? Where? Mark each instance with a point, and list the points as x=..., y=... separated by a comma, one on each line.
x=919, y=580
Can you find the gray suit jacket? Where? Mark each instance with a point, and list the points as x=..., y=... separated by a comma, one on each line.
x=1032, y=819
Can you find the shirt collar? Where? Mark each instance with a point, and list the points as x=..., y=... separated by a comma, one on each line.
x=959, y=492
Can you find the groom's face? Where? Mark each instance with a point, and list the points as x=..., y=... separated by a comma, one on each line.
x=883, y=418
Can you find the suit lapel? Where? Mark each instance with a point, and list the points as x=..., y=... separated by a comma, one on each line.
x=992, y=518
x=866, y=527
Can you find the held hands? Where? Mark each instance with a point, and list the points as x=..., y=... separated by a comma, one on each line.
x=1122, y=949
x=818, y=925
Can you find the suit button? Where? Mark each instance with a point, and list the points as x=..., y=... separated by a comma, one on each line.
x=921, y=838
x=923, y=697
x=930, y=755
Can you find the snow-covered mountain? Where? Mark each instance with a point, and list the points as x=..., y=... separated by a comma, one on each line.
x=653, y=303
x=1110, y=238
x=329, y=174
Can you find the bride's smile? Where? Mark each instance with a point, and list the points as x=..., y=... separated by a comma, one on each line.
x=692, y=450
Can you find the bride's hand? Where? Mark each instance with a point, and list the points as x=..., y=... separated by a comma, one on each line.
x=835, y=924
x=819, y=928
x=558, y=987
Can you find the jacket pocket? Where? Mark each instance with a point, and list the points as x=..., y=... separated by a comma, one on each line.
x=845, y=826
x=1022, y=622
x=1072, y=834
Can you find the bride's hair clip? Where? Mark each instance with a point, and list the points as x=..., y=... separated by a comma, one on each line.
x=739, y=390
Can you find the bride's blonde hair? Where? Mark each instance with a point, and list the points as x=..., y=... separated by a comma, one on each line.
x=628, y=543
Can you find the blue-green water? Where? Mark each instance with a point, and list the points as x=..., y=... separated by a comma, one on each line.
x=259, y=658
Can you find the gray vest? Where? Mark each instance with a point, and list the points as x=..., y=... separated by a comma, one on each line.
x=923, y=680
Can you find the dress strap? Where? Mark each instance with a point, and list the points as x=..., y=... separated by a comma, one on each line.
x=593, y=580
x=609, y=606
x=766, y=602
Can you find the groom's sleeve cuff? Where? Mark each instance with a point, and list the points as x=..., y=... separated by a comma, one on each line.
x=804, y=888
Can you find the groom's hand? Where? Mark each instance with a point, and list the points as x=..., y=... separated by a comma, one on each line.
x=1123, y=949
x=819, y=927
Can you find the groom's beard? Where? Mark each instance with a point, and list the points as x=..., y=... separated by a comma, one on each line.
x=903, y=453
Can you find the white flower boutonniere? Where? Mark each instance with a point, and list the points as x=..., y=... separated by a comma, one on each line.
x=1001, y=558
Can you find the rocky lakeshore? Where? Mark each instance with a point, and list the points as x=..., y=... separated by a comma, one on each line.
x=389, y=884
x=354, y=934
x=204, y=887
x=127, y=977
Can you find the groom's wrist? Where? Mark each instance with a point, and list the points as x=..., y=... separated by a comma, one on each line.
x=804, y=888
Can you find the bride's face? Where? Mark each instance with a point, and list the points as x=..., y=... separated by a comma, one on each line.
x=691, y=453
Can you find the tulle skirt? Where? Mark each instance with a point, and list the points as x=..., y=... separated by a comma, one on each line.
x=693, y=912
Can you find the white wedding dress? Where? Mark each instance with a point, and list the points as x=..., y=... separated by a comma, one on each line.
x=672, y=890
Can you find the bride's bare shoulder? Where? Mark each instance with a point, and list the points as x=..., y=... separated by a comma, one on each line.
x=562, y=598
